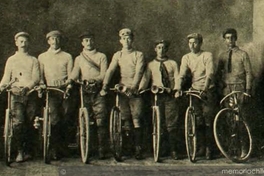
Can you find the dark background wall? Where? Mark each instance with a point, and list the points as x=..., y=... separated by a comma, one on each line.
x=150, y=19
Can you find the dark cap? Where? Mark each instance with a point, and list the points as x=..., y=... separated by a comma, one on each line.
x=197, y=36
x=230, y=31
x=53, y=33
x=125, y=32
x=87, y=34
x=24, y=34
x=165, y=42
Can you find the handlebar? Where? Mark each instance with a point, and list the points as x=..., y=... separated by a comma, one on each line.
x=120, y=88
x=194, y=93
x=159, y=89
x=40, y=90
x=233, y=93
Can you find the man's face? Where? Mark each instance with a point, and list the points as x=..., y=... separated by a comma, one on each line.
x=54, y=42
x=230, y=40
x=22, y=43
x=161, y=50
x=194, y=45
x=126, y=41
x=88, y=43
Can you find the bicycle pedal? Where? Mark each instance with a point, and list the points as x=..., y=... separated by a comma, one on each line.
x=91, y=123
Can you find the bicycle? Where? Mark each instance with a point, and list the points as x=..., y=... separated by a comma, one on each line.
x=8, y=128
x=85, y=122
x=191, y=126
x=232, y=133
x=46, y=121
x=156, y=133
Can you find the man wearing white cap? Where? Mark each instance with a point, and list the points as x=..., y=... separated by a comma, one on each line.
x=200, y=64
x=90, y=66
x=55, y=68
x=131, y=63
x=24, y=68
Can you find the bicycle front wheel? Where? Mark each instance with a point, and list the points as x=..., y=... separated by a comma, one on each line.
x=46, y=135
x=156, y=132
x=232, y=135
x=84, y=127
x=190, y=134
x=8, y=137
x=116, y=133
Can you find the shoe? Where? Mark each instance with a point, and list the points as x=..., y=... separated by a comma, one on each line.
x=20, y=156
x=54, y=155
x=118, y=157
x=138, y=154
x=208, y=154
x=174, y=155
x=200, y=152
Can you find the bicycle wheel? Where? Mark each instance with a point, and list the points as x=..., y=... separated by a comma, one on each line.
x=8, y=133
x=116, y=133
x=84, y=127
x=232, y=135
x=156, y=132
x=190, y=134
x=46, y=136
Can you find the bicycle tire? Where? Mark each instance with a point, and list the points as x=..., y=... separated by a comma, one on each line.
x=227, y=137
x=8, y=137
x=190, y=134
x=84, y=127
x=46, y=135
x=156, y=132
x=116, y=133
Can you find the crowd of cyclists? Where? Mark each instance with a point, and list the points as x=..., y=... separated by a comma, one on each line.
x=56, y=68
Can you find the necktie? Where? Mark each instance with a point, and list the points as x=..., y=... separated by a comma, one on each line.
x=229, y=64
x=164, y=75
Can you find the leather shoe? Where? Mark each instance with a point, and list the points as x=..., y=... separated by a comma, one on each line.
x=174, y=155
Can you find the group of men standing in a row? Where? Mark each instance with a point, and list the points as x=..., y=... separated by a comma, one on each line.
x=55, y=68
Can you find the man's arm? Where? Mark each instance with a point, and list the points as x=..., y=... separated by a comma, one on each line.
x=210, y=69
x=145, y=79
x=183, y=70
x=139, y=70
x=248, y=71
x=176, y=74
x=103, y=69
x=76, y=70
x=110, y=71
x=7, y=74
x=35, y=74
x=69, y=66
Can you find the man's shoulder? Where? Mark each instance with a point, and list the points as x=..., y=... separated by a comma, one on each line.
x=207, y=53
x=100, y=54
x=241, y=51
x=65, y=54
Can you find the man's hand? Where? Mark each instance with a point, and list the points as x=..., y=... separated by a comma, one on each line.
x=247, y=98
x=103, y=92
x=24, y=91
x=203, y=95
x=178, y=94
x=69, y=81
x=2, y=88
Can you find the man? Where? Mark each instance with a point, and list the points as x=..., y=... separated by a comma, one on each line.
x=55, y=67
x=234, y=70
x=163, y=72
x=24, y=68
x=234, y=67
x=131, y=64
x=90, y=66
x=201, y=66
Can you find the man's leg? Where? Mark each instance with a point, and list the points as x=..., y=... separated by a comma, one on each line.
x=18, y=113
x=171, y=114
x=100, y=114
x=136, y=106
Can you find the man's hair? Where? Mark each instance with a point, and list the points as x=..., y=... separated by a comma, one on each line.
x=230, y=31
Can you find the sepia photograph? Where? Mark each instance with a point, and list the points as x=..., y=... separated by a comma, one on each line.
x=131, y=87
